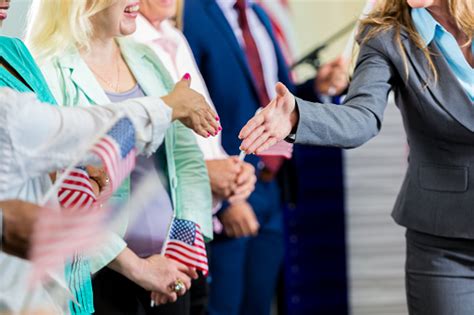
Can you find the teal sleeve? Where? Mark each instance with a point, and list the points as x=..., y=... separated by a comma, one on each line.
x=194, y=198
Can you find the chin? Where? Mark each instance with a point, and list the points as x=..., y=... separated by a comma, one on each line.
x=128, y=30
x=419, y=3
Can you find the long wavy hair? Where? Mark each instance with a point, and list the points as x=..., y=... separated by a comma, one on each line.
x=396, y=15
x=57, y=25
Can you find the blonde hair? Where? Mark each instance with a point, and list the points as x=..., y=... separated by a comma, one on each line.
x=58, y=25
x=396, y=15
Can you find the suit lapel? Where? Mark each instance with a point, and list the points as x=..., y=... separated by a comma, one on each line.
x=448, y=93
x=84, y=79
x=283, y=71
x=154, y=81
x=223, y=25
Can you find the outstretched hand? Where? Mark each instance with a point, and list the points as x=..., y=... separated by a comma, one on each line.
x=270, y=125
x=192, y=110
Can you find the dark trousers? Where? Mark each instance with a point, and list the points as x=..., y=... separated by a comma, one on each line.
x=114, y=294
x=439, y=275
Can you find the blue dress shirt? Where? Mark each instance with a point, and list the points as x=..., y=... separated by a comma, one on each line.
x=430, y=30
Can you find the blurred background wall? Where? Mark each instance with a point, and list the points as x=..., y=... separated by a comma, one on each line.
x=373, y=173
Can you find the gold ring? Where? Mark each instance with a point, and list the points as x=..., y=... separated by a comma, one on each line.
x=178, y=286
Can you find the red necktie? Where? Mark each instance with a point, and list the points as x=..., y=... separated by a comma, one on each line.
x=251, y=52
x=272, y=163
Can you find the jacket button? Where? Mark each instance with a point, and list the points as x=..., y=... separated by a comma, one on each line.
x=174, y=183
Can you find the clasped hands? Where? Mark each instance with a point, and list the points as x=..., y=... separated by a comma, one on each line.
x=234, y=180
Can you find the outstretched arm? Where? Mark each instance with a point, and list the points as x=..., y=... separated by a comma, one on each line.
x=347, y=126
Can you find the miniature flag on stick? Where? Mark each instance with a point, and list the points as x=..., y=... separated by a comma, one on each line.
x=186, y=245
x=60, y=234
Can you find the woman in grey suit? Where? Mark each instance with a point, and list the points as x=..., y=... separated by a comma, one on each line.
x=422, y=50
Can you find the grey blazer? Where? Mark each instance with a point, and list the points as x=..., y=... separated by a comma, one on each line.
x=437, y=195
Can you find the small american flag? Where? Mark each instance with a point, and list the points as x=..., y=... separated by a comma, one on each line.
x=281, y=148
x=117, y=152
x=60, y=234
x=76, y=190
x=186, y=245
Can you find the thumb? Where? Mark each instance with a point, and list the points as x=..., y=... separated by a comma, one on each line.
x=185, y=81
x=281, y=90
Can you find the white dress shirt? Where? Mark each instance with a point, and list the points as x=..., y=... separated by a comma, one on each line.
x=173, y=50
x=264, y=42
x=36, y=139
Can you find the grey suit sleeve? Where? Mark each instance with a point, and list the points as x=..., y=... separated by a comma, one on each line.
x=360, y=117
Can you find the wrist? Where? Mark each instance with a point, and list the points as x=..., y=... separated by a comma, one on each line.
x=129, y=265
x=176, y=114
x=294, y=118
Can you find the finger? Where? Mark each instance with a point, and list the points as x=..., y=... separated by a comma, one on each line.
x=211, y=127
x=251, y=125
x=229, y=230
x=201, y=131
x=183, y=276
x=239, y=228
x=258, y=142
x=340, y=62
x=252, y=138
x=155, y=297
x=248, y=185
x=185, y=82
x=246, y=175
x=281, y=90
x=95, y=187
x=254, y=227
x=271, y=141
x=193, y=273
x=214, y=125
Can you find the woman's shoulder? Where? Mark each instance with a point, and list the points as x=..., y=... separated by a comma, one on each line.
x=13, y=44
x=14, y=48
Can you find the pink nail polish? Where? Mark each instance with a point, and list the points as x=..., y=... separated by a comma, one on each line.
x=217, y=118
x=208, y=134
x=187, y=77
x=220, y=128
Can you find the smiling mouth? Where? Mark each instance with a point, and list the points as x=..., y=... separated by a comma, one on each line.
x=134, y=8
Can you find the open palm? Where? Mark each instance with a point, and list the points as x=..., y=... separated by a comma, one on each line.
x=270, y=125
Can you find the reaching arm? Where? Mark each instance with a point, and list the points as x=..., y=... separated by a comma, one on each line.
x=347, y=126
x=36, y=138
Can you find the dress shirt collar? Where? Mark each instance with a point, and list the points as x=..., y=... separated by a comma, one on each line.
x=149, y=33
x=229, y=4
x=425, y=24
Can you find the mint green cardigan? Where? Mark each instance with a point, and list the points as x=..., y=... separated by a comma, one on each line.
x=73, y=84
x=19, y=58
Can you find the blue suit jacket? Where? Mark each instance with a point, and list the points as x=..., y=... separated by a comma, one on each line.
x=227, y=74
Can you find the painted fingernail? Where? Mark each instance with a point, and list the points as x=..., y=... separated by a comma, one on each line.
x=187, y=76
x=220, y=128
x=208, y=134
x=217, y=118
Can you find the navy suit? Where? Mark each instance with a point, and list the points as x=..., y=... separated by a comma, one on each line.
x=243, y=271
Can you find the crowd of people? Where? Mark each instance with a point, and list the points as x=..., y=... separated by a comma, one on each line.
x=190, y=75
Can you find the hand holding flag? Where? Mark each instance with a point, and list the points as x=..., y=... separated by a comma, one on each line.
x=60, y=234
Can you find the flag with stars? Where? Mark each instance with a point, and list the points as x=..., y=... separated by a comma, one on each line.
x=76, y=190
x=117, y=152
x=186, y=245
x=58, y=235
